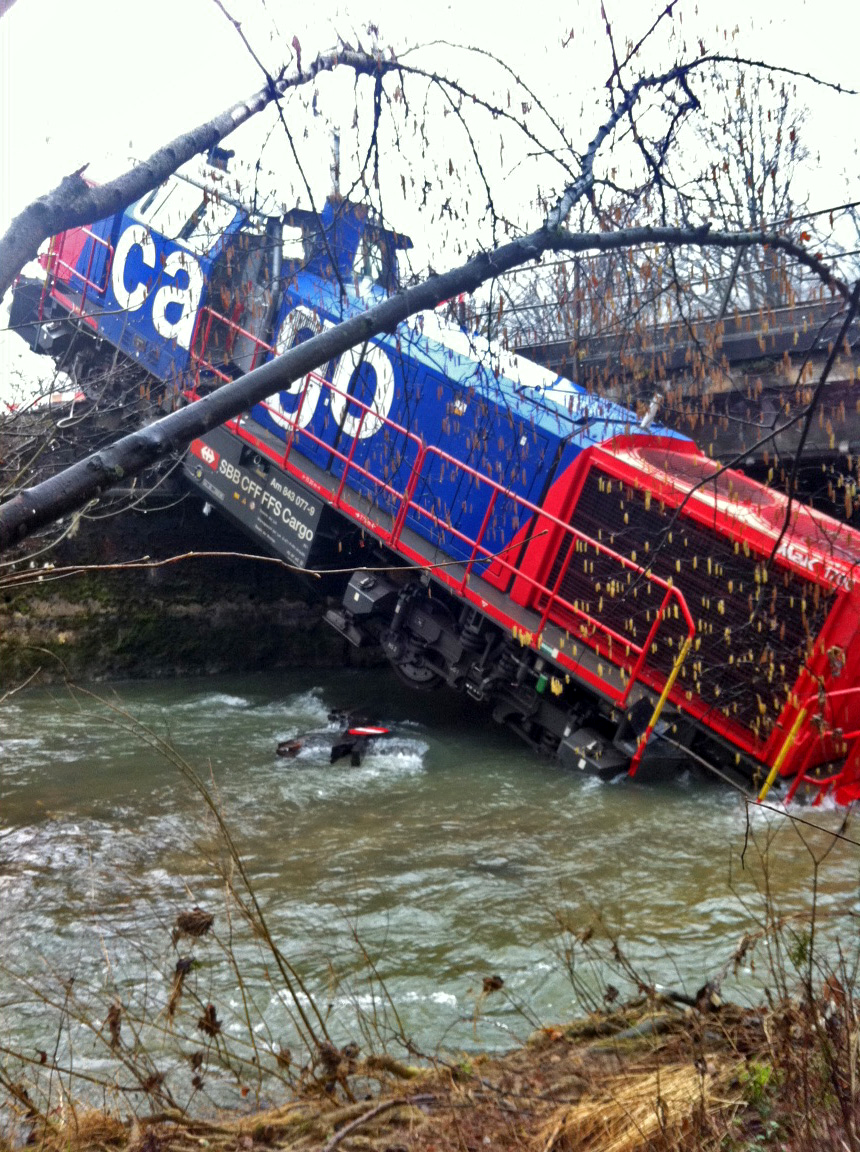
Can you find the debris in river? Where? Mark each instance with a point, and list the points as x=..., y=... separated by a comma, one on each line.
x=195, y=923
x=209, y=1022
x=354, y=742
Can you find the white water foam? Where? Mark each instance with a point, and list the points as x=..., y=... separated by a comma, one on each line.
x=213, y=701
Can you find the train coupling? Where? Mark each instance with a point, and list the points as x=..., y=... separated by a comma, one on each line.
x=587, y=751
x=366, y=595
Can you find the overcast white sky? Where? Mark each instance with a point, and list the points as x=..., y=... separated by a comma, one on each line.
x=85, y=78
x=77, y=79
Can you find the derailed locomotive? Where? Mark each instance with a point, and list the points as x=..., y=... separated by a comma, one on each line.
x=611, y=593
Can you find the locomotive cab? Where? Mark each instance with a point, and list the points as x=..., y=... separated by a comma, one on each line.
x=134, y=280
x=270, y=257
x=346, y=242
x=189, y=282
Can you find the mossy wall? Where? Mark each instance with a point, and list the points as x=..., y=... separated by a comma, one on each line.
x=191, y=617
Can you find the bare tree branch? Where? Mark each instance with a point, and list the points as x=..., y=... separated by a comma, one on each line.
x=74, y=202
x=34, y=507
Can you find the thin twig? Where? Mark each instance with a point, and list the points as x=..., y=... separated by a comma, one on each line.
x=366, y=1117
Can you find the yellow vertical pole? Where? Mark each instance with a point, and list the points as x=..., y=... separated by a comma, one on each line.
x=781, y=755
x=658, y=707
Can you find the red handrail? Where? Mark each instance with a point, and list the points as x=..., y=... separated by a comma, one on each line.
x=202, y=335
x=55, y=261
x=824, y=784
x=478, y=552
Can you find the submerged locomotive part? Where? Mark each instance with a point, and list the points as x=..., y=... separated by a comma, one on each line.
x=354, y=743
x=605, y=589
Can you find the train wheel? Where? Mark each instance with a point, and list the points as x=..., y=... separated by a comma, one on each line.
x=417, y=673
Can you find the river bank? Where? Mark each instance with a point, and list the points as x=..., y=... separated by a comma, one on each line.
x=175, y=897
x=651, y=1075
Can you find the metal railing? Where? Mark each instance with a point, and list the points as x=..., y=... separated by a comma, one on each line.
x=630, y=658
x=851, y=765
x=202, y=338
x=55, y=264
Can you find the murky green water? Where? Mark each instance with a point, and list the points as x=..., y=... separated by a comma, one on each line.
x=444, y=858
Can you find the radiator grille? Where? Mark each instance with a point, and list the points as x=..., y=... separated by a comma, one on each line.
x=755, y=622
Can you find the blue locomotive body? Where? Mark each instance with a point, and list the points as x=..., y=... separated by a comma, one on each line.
x=501, y=419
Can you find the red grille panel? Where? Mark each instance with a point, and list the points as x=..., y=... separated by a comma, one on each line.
x=755, y=621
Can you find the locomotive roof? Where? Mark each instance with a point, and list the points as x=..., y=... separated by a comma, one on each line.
x=751, y=506
x=528, y=391
x=338, y=211
x=525, y=389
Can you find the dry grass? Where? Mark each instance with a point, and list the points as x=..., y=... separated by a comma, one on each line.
x=567, y=1090
x=702, y=1081
x=637, y=1110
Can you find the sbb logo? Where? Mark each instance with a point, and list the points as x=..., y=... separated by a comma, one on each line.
x=206, y=453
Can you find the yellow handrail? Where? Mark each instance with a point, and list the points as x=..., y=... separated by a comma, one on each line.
x=658, y=707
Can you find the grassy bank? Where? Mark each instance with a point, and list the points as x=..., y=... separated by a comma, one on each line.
x=649, y=1076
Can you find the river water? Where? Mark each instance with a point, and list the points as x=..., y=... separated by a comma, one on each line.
x=451, y=854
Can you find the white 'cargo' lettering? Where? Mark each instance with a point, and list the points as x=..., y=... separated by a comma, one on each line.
x=380, y=406
x=301, y=318
x=187, y=298
x=137, y=236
